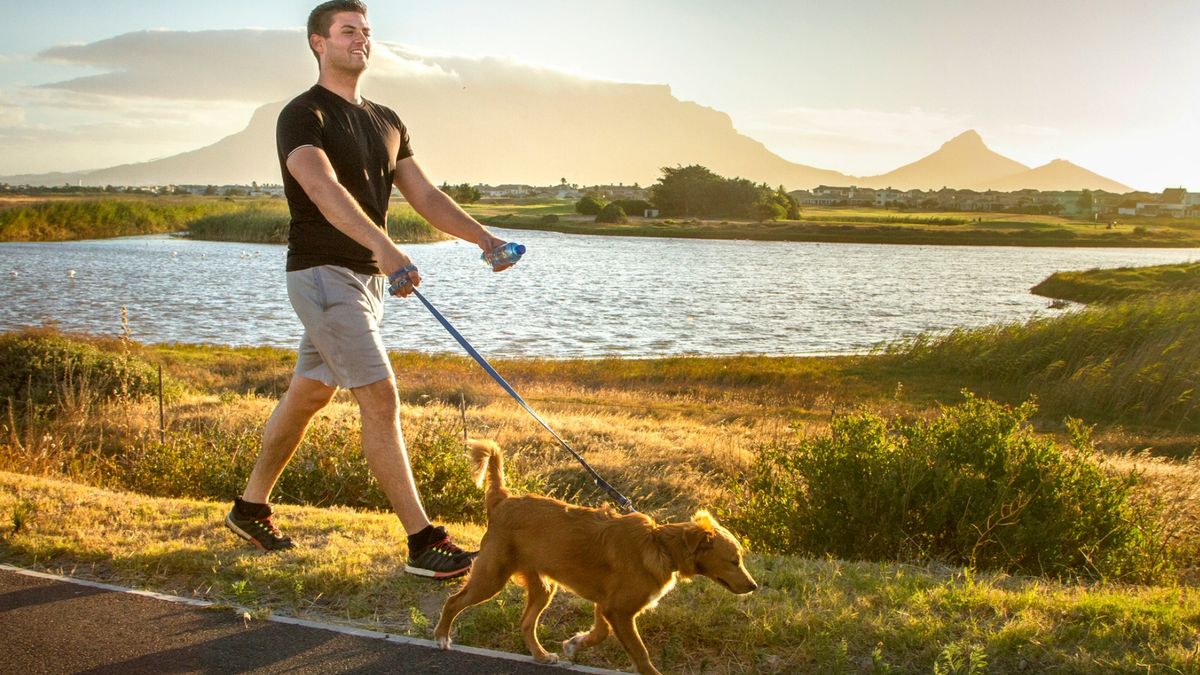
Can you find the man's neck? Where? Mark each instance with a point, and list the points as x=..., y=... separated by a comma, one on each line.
x=342, y=84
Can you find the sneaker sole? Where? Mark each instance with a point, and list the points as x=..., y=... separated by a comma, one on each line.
x=430, y=574
x=242, y=533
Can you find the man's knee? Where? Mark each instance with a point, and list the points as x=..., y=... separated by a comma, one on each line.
x=309, y=396
x=378, y=400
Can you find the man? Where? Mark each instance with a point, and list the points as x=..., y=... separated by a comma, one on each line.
x=340, y=156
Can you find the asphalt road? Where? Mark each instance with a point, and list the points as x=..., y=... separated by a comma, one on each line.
x=53, y=626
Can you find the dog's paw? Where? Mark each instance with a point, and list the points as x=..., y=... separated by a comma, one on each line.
x=443, y=641
x=547, y=658
x=570, y=647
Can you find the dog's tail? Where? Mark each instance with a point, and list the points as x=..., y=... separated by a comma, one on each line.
x=488, y=463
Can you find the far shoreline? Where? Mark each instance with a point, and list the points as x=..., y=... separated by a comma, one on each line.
x=264, y=220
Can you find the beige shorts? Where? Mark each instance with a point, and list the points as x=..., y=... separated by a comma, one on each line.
x=341, y=311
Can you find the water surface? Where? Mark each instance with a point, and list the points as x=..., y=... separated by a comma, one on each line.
x=572, y=296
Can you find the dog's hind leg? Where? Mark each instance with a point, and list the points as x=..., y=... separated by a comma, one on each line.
x=623, y=624
x=538, y=592
x=487, y=578
x=591, y=638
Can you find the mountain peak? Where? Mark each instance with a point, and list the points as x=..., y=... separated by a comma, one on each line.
x=967, y=139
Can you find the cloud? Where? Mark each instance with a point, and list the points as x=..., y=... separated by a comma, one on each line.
x=11, y=114
x=232, y=65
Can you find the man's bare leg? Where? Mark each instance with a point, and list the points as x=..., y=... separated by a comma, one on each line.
x=383, y=446
x=281, y=436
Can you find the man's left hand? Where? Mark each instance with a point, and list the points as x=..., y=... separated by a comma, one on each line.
x=489, y=243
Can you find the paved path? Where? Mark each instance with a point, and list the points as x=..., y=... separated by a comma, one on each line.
x=56, y=625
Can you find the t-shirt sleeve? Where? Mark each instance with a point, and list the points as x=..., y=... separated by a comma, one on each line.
x=298, y=126
x=406, y=150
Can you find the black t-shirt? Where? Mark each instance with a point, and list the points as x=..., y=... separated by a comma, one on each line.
x=363, y=144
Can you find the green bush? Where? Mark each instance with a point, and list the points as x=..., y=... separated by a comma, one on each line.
x=589, y=205
x=43, y=367
x=975, y=486
x=548, y=219
x=612, y=214
x=636, y=207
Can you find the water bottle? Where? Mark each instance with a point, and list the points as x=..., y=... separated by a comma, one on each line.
x=508, y=254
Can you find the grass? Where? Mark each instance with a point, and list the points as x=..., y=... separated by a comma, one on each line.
x=1128, y=363
x=93, y=490
x=266, y=222
x=864, y=225
x=1109, y=285
x=67, y=219
x=258, y=220
x=818, y=616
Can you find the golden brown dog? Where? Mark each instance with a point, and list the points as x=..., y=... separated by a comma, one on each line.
x=623, y=563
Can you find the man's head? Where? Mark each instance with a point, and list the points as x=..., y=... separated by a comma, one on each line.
x=339, y=25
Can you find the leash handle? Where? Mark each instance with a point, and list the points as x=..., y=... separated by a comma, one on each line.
x=622, y=501
x=399, y=279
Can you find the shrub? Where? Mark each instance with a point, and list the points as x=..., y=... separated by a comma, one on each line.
x=548, y=219
x=633, y=206
x=589, y=205
x=612, y=214
x=974, y=486
x=328, y=469
x=43, y=367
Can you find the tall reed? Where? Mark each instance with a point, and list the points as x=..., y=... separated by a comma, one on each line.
x=1135, y=361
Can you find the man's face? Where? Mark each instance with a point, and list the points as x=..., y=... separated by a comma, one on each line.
x=348, y=46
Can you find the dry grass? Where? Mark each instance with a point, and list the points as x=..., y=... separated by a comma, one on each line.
x=810, y=616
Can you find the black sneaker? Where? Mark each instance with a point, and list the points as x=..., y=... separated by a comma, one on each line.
x=441, y=559
x=259, y=531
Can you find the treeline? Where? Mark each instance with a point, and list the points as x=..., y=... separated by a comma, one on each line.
x=689, y=191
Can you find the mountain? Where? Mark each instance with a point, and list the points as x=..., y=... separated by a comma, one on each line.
x=961, y=162
x=587, y=131
x=1057, y=175
x=478, y=120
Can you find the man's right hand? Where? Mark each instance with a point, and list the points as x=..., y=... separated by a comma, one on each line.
x=396, y=260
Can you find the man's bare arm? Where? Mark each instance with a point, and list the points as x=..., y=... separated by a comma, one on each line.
x=311, y=168
x=438, y=208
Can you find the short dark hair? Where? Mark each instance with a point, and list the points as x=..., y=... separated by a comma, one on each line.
x=321, y=18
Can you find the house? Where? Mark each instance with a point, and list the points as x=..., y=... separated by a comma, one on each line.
x=505, y=191
x=1174, y=202
x=889, y=196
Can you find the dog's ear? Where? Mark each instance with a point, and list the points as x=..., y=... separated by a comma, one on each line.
x=705, y=520
x=703, y=531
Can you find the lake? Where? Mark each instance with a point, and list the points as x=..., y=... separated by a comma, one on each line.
x=572, y=295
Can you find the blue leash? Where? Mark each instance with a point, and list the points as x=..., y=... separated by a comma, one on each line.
x=399, y=279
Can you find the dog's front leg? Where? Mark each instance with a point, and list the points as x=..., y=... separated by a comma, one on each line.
x=624, y=625
x=538, y=593
x=592, y=638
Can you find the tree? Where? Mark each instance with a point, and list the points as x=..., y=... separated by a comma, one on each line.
x=697, y=191
x=210, y=191
x=685, y=190
x=589, y=205
x=462, y=193
x=1086, y=201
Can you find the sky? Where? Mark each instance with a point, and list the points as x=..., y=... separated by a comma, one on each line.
x=860, y=88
